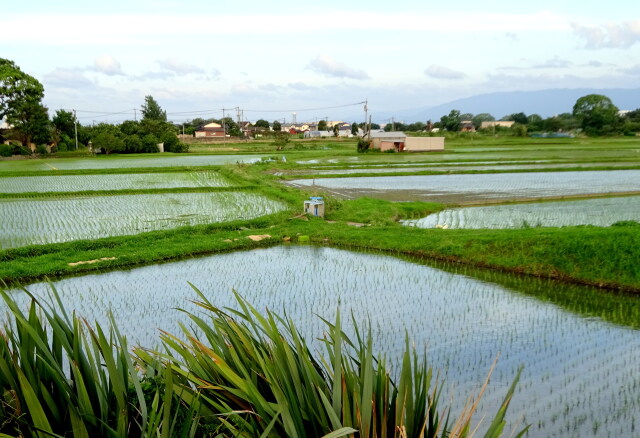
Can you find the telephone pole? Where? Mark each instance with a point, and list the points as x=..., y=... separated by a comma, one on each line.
x=364, y=128
x=135, y=115
x=75, y=127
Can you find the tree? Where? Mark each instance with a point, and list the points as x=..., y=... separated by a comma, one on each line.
x=482, y=117
x=262, y=124
x=276, y=126
x=520, y=118
x=596, y=114
x=20, y=103
x=354, y=128
x=534, y=122
x=322, y=125
x=64, y=123
x=151, y=110
x=452, y=121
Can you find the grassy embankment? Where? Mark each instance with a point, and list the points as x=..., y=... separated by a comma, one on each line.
x=605, y=257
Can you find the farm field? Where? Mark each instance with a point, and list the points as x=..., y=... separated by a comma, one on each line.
x=123, y=162
x=505, y=186
x=110, y=182
x=574, y=362
x=25, y=221
x=194, y=216
x=601, y=212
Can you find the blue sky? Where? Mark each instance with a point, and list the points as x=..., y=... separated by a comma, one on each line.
x=196, y=57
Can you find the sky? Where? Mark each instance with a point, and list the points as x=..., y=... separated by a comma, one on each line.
x=319, y=60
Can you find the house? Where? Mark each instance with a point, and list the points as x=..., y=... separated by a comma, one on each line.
x=467, y=126
x=317, y=134
x=400, y=142
x=497, y=124
x=314, y=206
x=210, y=130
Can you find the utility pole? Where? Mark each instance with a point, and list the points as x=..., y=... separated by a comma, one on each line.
x=75, y=127
x=393, y=124
x=135, y=115
x=224, y=129
x=366, y=109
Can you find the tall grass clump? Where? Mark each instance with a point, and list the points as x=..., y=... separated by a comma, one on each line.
x=232, y=373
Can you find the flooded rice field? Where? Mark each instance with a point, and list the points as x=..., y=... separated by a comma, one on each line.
x=454, y=168
x=601, y=212
x=580, y=348
x=35, y=221
x=75, y=183
x=480, y=187
x=124, y=162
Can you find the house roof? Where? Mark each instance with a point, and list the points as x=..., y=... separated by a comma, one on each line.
x=390, y=134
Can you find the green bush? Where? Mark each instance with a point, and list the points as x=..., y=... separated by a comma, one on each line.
x=42, y=149
x=363, y=145
x=5, y=150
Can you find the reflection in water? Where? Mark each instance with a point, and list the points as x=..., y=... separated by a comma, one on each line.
x=582, y=372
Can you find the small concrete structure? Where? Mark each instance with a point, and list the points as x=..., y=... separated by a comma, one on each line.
x=314, y=206
x=399, y=142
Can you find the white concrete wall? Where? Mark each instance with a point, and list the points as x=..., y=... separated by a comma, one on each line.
x=420, y=144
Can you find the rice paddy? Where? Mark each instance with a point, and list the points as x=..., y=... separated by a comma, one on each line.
x=526, y=185
x=601, y=212
x=99, y=182
x=581, y=376
x=125, y=162
x=36, y=221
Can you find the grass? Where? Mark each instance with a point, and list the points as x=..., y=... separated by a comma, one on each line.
x=241, y=374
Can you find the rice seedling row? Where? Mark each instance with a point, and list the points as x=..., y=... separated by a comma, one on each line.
x=75, y=183
x=581, y=378
x=46, y=220
x=124, y=162
x=489, y=186
x=601, y=212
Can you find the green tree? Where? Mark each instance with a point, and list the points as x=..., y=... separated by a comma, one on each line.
x=596, y=114
x=520, y=118
x=354, y=128
x=64, y=123
x=151, y=110
x=534, y=122
x=322, y=125
x=107, y=137
x=452, y=121
x=20, y=103
x=262, y=124
x=276, y=126
x=482, y=117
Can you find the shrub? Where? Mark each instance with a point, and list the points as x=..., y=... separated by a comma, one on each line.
x=5, y=150
x=363, y=145
x=42, y=149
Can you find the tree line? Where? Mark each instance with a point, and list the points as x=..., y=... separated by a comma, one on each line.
x=21, y=106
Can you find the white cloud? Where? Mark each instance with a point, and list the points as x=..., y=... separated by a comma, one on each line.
x=634, y=71
x=441, y=72
x=176, y=66
x=326, y=65
x=616, y=35
x=108, y=65
x=555, y=62
x=67, y=78
x=99, y=29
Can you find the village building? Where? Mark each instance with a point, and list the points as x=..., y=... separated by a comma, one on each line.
x=210, y=130
x=399, y=141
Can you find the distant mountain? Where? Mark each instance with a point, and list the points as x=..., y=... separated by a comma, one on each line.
x=546, y=103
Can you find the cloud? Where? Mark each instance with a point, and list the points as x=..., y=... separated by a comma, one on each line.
x=610, y=35
x=108, y=65
x=176, y=66
x=328, y=66
x=512, y=36
x=634, y=71
x=67, y=78
x=555, y=62
x=440, y=72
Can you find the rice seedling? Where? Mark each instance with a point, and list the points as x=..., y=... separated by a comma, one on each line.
x=104, y=182
x=241, y=374
x=601, y=212
x=493, y=185
x=577, y=345
x=65, y=218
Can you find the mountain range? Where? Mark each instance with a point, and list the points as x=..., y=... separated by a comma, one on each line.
x=545, y=103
